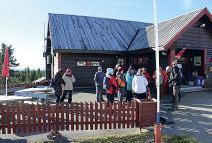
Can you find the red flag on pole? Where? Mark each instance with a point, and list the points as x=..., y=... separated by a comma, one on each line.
x=5, y=68
x=181, y=52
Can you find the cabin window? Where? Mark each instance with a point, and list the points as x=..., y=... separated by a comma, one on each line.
x=81, y=64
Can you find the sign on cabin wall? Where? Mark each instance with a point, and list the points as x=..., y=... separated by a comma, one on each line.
x=197, y=61
x=88, y=63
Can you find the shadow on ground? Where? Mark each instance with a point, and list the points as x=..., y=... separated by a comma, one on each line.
x=194, y=117
x=13, y=141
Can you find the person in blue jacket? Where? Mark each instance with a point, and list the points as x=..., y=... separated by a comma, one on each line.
x=98, y=79
x=129, y=77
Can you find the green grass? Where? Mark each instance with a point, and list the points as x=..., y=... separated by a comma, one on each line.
x=179, y=139
x=135, y=138
x=139, y=138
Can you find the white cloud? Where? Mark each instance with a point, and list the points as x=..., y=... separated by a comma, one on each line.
x=187, y=3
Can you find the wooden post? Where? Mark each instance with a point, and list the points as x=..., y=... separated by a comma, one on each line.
x=34, y=118
x=105, y=115
x=110, y=114
x=128, y=114
x=39, y=117
x=96, y=116
x=91, y=116
x=157, y=133
x=86, y=117
x=100, y=114
x=114, y=115
x=62, y=126
x=67, y=116
x=14, y=113
x=123, y=113
x=49, y=117
x=119, y=115
x=82, y=115
x=72, y=116
x=77, y=116
x=8, y=112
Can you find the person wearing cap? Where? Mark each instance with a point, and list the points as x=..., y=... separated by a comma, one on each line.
x=110, y=84
x=98, y=79
x=121, y=83
x=139, y=85
x=69, y=79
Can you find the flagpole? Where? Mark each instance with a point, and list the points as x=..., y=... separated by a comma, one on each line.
x=157, y=61
x=157, y=129
x=6, y=85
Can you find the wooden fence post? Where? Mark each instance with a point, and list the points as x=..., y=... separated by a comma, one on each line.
x=82, y=115
x=101, y=115
x=67, y=116
x=77, y=116
x=91, y=116
x=96, y=116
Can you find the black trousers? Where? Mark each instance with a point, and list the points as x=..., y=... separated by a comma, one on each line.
x=58, y=94
x=69, y=95
x=110, y=98
x=141, y=95
x=129, y=95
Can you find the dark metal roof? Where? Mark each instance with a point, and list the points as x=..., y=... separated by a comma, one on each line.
x=71, y=32
x=91, y=33
x=168, y=29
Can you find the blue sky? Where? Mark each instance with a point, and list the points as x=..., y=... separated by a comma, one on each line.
x=22, y=21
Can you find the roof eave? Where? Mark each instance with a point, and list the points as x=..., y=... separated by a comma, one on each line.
x=190, y=24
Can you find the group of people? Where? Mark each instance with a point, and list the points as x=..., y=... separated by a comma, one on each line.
x=63, y=84
x=131, y=84
x=117, y=83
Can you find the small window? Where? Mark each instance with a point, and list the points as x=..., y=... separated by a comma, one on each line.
x=95, y=64
x=81, y=64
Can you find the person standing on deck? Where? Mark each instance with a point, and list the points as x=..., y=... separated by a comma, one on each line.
x=69, y=79
x=110, y=84
x=98, y=79
x=139, y=85
x=57, y=83
x=174, y=81
x=121, y=83
x=129, y=77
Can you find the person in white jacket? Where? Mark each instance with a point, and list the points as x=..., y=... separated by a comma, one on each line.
x=69, y=79
x=139, y=85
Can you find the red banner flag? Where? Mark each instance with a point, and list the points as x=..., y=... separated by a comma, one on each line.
x=5, y=68
x=179, y=55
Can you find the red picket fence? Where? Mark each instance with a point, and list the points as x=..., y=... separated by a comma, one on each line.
x=23, y=118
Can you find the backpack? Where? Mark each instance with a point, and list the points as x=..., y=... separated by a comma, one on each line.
x=52, y=83
x=106, y=84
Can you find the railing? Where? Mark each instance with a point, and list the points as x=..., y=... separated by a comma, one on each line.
x=23, y=118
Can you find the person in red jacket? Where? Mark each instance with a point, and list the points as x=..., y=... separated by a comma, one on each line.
x=146, y=74
x=110, y=84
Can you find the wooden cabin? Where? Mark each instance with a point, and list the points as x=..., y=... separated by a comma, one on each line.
x=84, y=43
